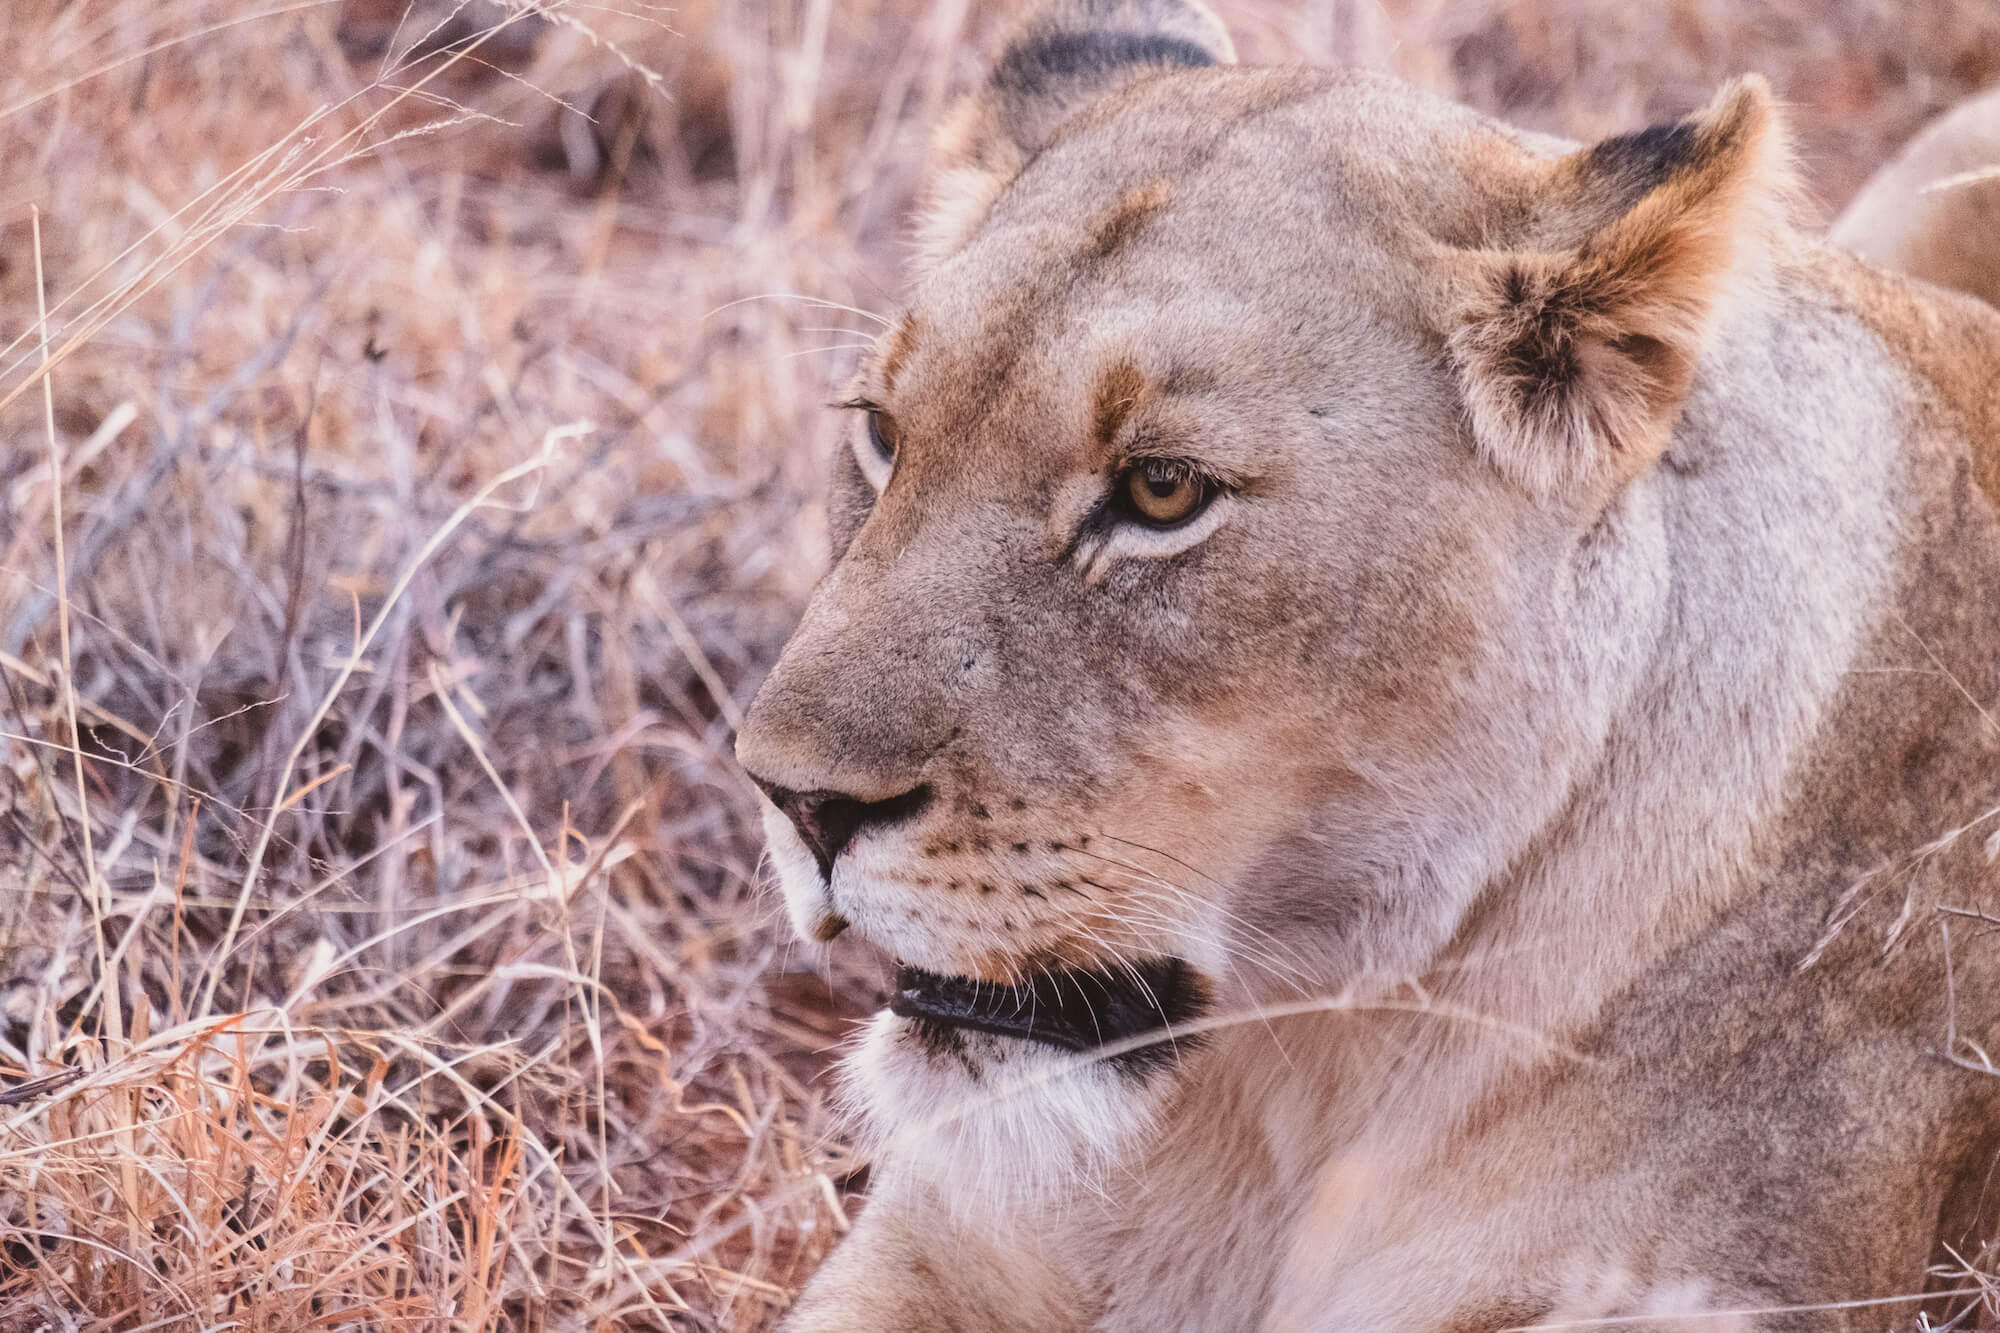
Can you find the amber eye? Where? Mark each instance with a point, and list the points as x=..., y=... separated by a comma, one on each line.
x=882, y=434
x=1163, y=494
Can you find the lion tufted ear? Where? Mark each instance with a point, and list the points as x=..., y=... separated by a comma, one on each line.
x=1574, y=361
x=1059, y=61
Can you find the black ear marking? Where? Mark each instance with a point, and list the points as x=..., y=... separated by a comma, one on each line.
x=1644, y=157
x=1066, y=55
x=1029, y=67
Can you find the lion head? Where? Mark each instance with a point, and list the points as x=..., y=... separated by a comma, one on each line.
x=1238, y=556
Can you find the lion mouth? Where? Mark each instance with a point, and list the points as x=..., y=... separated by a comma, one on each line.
x=1072, y=1009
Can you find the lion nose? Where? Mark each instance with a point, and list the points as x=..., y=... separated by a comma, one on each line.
x=829, y=820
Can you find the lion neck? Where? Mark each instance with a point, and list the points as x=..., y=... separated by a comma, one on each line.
x=1786, y=567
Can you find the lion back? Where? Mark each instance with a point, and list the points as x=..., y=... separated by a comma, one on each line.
x=1934, y=211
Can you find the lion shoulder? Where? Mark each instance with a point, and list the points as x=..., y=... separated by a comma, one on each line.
x=1945, y=341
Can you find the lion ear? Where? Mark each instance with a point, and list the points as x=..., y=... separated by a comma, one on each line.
x=1058, y=62
x=1574, y=360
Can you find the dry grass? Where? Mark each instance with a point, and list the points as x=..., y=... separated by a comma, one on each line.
x=434, y=450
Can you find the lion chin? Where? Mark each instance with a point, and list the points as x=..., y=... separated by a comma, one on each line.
x=1031, y=1093
x=1004, y=1127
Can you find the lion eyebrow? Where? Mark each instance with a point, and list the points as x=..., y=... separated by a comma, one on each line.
x=897, y=347
x=1119, y=388
x=1134, y=208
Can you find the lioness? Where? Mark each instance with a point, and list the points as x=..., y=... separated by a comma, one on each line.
x=1418, y=705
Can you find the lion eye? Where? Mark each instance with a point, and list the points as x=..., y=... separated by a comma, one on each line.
x=882, y=434
x=1161, y=494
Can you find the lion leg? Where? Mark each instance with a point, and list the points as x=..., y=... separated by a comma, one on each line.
x=910, y=1268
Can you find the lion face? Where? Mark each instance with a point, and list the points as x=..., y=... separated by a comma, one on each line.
x=1235, y=565
x=1136, y=585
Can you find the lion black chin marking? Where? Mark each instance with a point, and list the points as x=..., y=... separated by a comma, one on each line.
x=1074, y=1009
